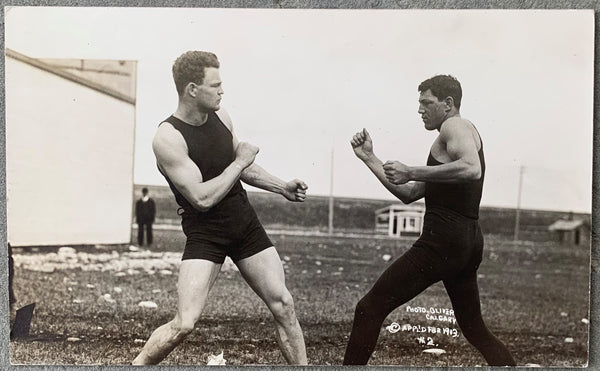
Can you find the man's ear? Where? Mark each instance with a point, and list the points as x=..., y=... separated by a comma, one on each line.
x=191, y=89
x=449, y=101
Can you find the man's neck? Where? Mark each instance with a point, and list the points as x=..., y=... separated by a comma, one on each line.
x=190, y=115
x=451, y=114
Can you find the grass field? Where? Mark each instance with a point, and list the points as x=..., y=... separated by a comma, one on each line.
x=534, y=297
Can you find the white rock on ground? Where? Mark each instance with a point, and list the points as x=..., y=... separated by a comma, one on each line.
x=148, y=304
x=67, y=258
x=65, y=250
x=434, y=351
x=107, y=298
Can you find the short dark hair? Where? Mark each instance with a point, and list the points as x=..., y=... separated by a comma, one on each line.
x=443, y=86
x=145, y=190
x=189, y=67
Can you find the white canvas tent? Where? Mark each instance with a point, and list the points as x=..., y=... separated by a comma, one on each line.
x=70, y=129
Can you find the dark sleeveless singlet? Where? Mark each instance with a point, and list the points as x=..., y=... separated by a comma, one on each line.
x=210, y=147
x=231, y=227
x=462, y=198
x=451, y=242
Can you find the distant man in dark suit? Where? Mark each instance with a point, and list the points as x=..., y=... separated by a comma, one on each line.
x=145, y=210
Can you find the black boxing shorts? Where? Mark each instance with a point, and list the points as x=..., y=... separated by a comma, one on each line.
x=231, y=229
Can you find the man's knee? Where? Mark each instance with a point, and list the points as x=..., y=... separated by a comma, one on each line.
x=473, y=329
x=369, y=306
x=362, y=307
x=283, y=307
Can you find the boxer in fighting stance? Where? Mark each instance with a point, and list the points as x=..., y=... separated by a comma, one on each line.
x=451, y=244
x=198, y=153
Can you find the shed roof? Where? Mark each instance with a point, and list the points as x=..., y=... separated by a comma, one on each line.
x=565, y=225
x=401, y=207
x=113, y=78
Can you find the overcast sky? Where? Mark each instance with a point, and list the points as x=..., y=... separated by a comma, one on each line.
x=300, y=83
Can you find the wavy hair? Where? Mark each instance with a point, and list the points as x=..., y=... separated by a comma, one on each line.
x=443, y=86
x=189, y=67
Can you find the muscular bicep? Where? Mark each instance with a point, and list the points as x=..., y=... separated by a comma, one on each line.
x=417, y=191
x=461, y=144
x=173, y=161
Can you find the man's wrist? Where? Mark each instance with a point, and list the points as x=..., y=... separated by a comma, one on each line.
x=280, y=187
x=238, y=165
x=410, y=171
x=370, y=159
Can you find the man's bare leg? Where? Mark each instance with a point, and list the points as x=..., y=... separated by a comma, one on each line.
x=264, y=273
x=196, y=278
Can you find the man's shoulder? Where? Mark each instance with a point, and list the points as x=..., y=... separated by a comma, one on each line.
x=166, y=126
x=455, y=125
x=456, y=122
x=223, y=115
x=167, y=136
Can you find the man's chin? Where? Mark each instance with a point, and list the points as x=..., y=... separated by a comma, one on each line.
x=429, y=126
x=210, y=109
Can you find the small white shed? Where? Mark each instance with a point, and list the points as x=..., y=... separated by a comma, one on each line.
x=576, y=231
x=400, y=220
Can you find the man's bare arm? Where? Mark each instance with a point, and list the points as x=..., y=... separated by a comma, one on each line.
x=256, y=176
x=407, y=193
x=464, y=164
x=294, y=190
x=173, y=160
x=363, y=148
